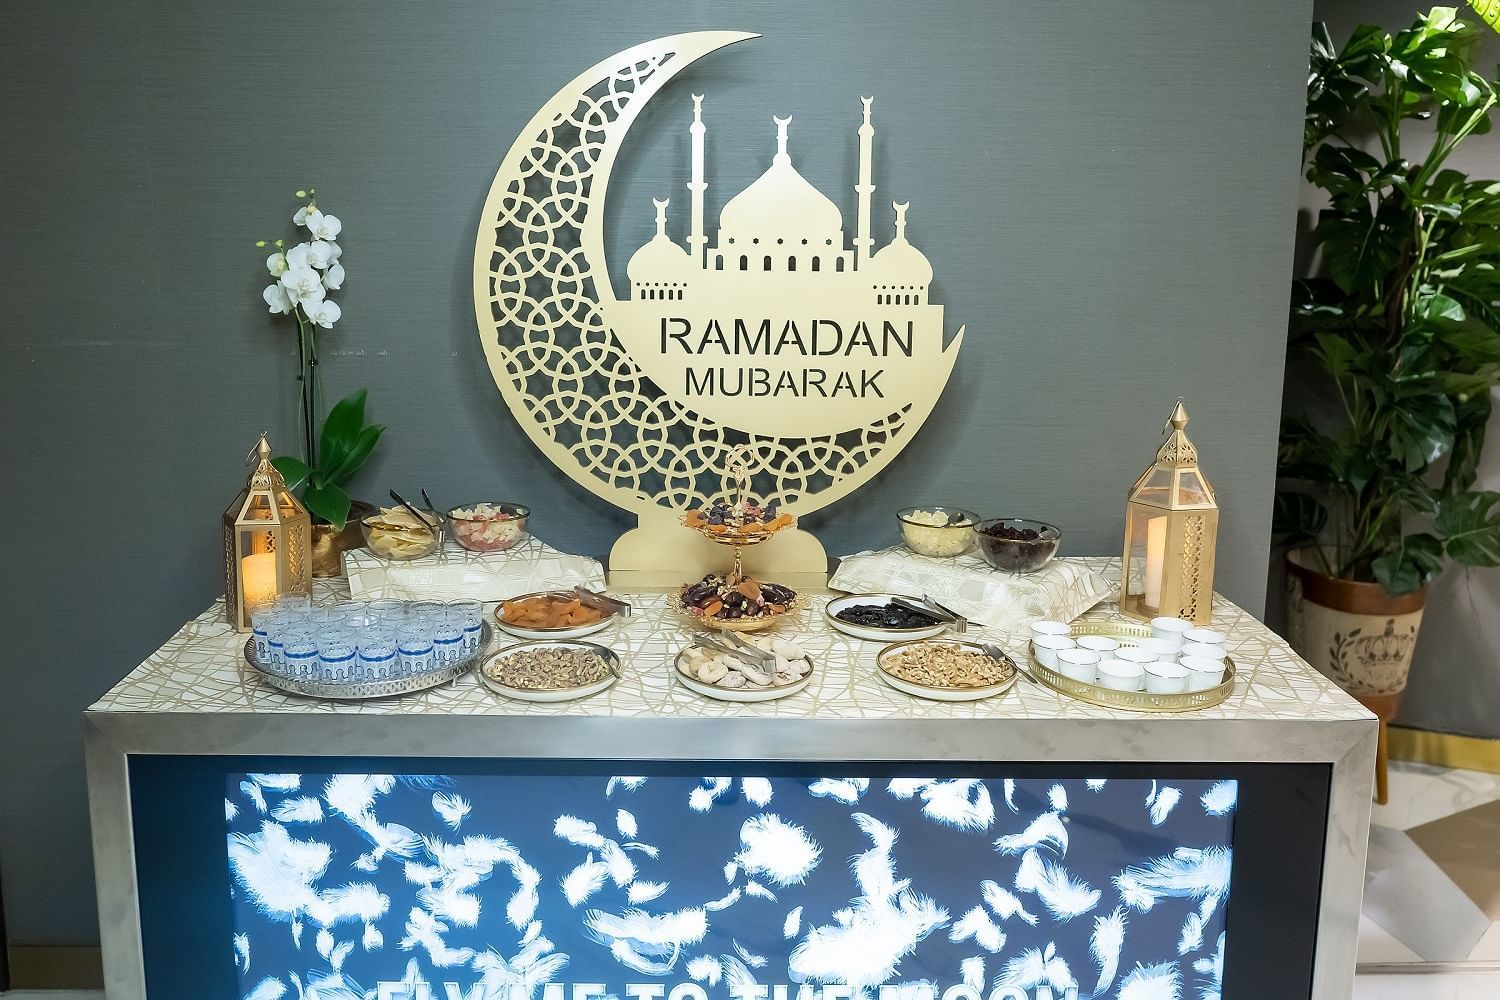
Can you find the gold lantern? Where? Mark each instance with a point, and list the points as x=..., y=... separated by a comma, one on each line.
x=267, y=542
x=1171, y=524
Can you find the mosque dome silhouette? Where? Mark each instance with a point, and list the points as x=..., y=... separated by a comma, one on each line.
x=780, y=229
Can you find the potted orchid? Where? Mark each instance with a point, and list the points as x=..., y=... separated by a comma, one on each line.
x=303, y=276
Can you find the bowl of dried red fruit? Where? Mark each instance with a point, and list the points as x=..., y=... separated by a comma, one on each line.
x=1017, y=544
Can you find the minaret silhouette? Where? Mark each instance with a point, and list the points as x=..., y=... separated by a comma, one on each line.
x=696, y=240
x=863, y=244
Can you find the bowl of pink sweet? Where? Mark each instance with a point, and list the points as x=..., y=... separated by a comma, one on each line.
x=489, y=527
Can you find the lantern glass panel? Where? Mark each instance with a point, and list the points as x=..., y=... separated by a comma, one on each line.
x=1192, y=489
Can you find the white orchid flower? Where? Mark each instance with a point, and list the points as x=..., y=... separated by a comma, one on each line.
x=334, y=250
x=323, y=313
x=300, y=218
x=297, y=255
x=304, y=285
x=323, y=227
x=276, y=264
x=319, y=255
x=334, y=279
x=277, y=298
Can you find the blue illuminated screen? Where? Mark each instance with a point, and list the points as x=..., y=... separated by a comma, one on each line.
x=566, y=887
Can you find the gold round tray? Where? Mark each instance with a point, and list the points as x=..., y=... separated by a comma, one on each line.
x=739, y=624
x=1129, y=634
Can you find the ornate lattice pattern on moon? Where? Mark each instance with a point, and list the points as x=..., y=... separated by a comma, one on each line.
x=565, y=371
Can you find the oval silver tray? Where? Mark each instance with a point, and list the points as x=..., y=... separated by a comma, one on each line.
x=365, y=690
x=1134, y=701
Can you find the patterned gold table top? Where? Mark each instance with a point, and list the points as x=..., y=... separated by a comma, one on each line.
x=201, y=670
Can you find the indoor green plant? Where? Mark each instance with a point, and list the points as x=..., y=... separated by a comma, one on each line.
x=304, y=275
x=1403, y=331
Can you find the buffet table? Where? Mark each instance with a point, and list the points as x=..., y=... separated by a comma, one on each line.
x=195, y=698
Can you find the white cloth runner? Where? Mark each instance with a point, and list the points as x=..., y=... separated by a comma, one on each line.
x=1062, y=591
x=454, y=573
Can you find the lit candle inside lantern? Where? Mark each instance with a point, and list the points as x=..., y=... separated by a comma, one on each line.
x=258, y=579
x=1156, y=558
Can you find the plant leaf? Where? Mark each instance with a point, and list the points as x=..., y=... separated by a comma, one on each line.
x=1405, y=568
x=1470, y=527
x=1468, y=442
x=293, y=470
x=330, y=503
x=1298, y=517
x=340, y=431
x=359, y=450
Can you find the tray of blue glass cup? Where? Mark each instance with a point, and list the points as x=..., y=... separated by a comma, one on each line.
x=360, y=650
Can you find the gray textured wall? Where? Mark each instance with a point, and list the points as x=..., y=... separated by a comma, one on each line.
x=1455, y=681
x=1104, y=189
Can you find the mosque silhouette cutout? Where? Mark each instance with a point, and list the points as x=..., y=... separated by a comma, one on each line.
x=780, y=232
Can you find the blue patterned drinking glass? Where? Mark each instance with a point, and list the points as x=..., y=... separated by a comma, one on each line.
x=263, y=621
x=377, y=654
x=414, y=649
x=467, y=615
x=447, y=644
x=300, y=655
x=293, y=602
x=336, y=651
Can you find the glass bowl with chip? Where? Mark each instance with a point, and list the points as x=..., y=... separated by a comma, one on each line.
x=937, y=530
x=395, y=533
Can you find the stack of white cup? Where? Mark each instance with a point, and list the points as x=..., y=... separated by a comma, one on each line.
x=1178, y=658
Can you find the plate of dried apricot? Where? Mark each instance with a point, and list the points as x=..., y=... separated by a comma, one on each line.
x=555, y=614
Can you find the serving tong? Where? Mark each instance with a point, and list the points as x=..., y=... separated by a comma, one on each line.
x=738, y=648
x=602, y=602
x=934, y=610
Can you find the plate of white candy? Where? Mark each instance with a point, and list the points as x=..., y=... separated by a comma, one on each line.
x=786, y=670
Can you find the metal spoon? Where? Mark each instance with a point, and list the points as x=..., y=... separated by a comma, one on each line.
x=996, y=653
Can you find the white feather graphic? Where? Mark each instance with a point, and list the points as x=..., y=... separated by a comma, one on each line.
x=758, y=890
x=426, y=931
x=1057, y=795
x=324, y=942
x=1096, y=784
x=972, y=972
x=1005, y=903
x=845, y=790
x=1212, y=968
x=269, y=988
x=242, y=952
x=1191, y=938
x=628, y=784
x=1105, y=945
x=1010, y=794
x=701, y=799
x=648, y=941
x=792, y=924
x=1151, y=982
x=577, y=831
x=977, y=926
x=1163, y=804
x=299, y=810
x=1037, y=967
x=451, y=808
x=625, y=823
x=757, y=791
x=230, y=812
x=1063, y=897
x=1186, y=873
x=584, y=880
x=725, y=901
x=963, y=803
x=252, y=791
x=749, y=957
x=1221, y=798
x=777, y=850
x=1047, y=830
x=644, y=892
x=705, y=969
x=278, y=782
x=372, y=939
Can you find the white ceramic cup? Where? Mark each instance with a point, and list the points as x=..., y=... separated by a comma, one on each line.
x=1121, y=675
x=1170, y=629
x=1136, y=655
x=1204, y=672
x=1204, y=649
x=1048, y=646
x=1165, y=649
x=1101, y=644
x=1041, y=628
x=1163, y=677
x=1078, y=664
x=1207, y=636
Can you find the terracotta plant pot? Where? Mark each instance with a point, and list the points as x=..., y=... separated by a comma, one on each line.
x=1357, y=635
x=329, y=546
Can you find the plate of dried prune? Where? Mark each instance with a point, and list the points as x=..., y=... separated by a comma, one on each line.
x=882, y=617
x=738, y=604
